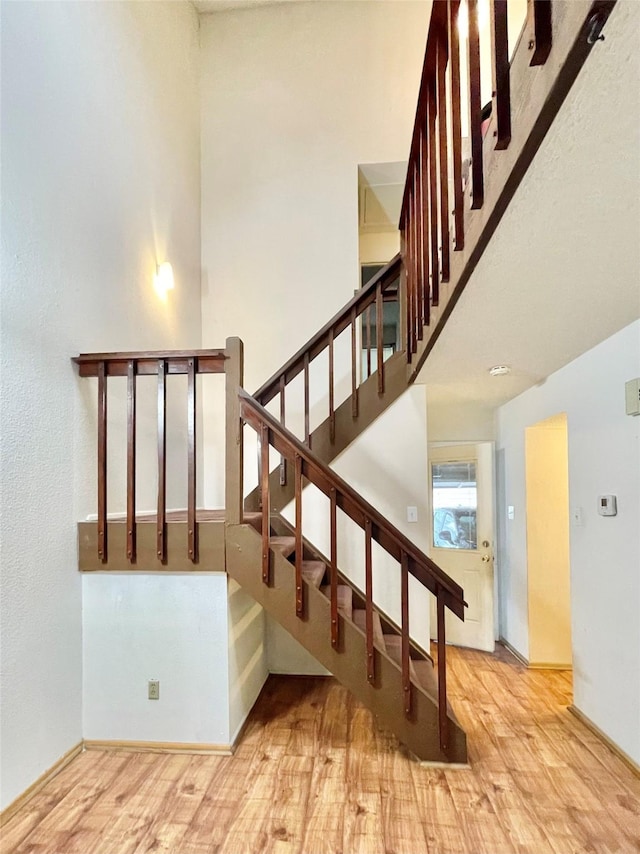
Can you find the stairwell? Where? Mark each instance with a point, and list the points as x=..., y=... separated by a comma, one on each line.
x=445, y=229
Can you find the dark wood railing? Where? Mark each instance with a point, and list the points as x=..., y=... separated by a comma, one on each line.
x=365, y=308
x=430, y=232
x=411, y=560
x=161, y=364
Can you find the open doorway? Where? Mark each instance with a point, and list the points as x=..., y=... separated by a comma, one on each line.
x=548, y=561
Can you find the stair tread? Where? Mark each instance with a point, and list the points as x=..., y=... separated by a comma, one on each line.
x=284, y=545
x=313, y=571
x=344, y=595
x=360, y=619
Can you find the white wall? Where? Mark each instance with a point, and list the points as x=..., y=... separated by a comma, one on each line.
x=172, y=627
x=100, y=172
x=286, y=655
x=294, y=97
x=248, y=669
x=459, y=420
x=604, y=457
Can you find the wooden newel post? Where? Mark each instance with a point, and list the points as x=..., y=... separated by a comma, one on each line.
x=234, y=374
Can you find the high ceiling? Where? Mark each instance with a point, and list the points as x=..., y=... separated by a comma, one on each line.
x=562, y=272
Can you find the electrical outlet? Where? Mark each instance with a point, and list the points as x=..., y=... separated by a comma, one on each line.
x=154, y=689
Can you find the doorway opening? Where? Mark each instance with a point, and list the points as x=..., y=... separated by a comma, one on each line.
x=548, y=557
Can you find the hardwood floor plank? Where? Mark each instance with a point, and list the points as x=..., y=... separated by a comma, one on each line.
x=119, y=829
x=286, y=816
x=178, y=808
x=58, y=829
x=210, y=824
x=401, y=820
x=45, y=801
x=363, y=832
x=325, y=820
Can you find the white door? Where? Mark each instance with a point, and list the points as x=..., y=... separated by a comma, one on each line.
x=462, y=536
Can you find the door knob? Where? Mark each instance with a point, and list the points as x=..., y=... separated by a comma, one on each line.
x=486, y=558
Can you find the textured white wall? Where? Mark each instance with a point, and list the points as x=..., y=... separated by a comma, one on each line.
x=294, y=97
x=138, y=627
x=604, y=457
x=100, y=177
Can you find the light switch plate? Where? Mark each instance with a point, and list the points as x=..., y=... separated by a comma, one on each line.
x=412, y=514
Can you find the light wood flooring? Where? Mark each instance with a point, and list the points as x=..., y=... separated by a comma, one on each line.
x=313, y=774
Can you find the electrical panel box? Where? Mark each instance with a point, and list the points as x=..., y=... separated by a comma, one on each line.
x=632, y=397
x=607, y=505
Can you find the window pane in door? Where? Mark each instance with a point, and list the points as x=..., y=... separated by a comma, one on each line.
x=454, y=500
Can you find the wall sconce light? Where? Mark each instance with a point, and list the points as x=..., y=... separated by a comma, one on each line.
x=163, y=279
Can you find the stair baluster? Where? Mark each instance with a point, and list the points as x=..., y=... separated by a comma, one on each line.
x=332, y=412
x=380, y=337
x=283, y=462
x=443, y=156
x=161, y=522
x=456, y=123
x=131, y=460
x=354, y=364
x=102, y=461
x=404, y=608
x=192, y=525
x=333, y=568
x=307, y=432
x=266, y=504
x=368, y=574
x=501, y=73
x=475, y=107
x=442, y=673
x=298, y=552
x=423, y=232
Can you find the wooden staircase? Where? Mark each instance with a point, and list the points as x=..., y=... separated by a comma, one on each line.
x=445, y=226
x=412, y=715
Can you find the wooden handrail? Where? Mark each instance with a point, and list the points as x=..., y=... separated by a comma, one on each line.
x=160, y=363
x=146, y=362
x=502, y=142
x=365, y=297
x=393, y=541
